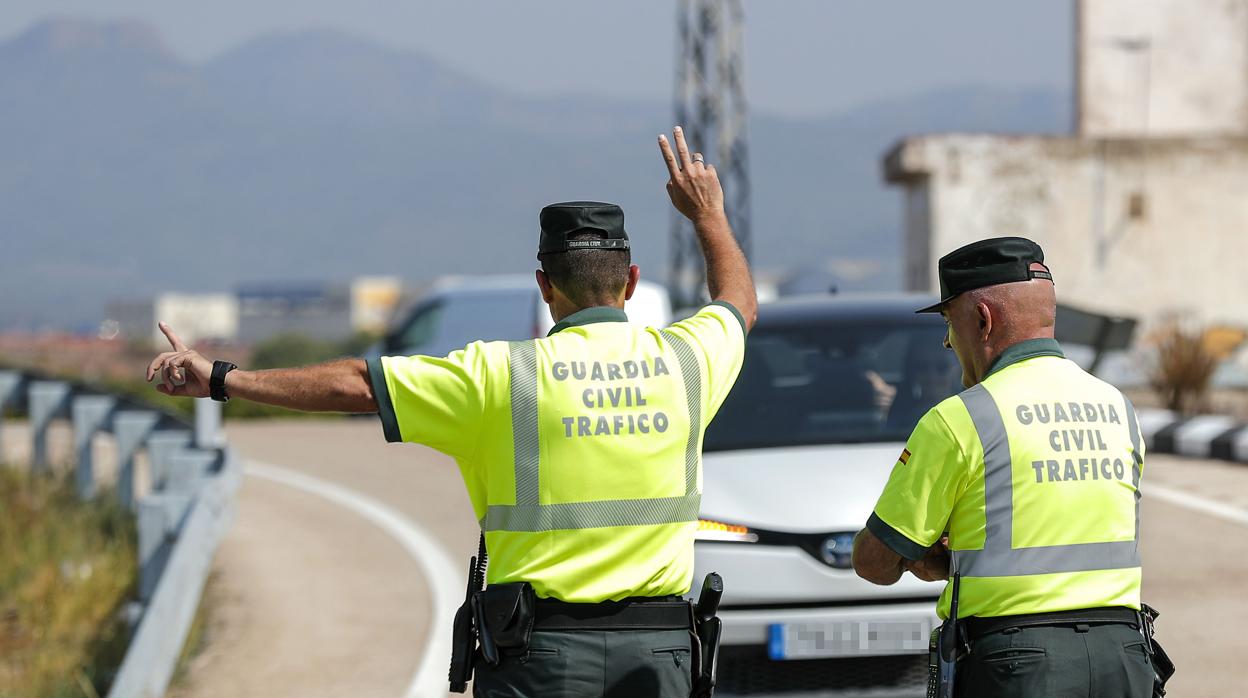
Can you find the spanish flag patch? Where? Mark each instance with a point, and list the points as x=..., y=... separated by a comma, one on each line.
x=905, y=456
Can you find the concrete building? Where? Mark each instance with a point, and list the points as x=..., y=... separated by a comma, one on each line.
x=374, y=300
x=326, y=311
x=1142, y=210
x=260, y=311
x=1161, y=67
x=196, y=317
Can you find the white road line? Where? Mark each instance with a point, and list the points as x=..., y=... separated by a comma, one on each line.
x=442, y=575
x=1195, y=503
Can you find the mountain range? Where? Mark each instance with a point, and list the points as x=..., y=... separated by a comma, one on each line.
x=127, y=170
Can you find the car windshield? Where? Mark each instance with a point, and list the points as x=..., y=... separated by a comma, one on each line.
x=849, y=382
x=451, y=323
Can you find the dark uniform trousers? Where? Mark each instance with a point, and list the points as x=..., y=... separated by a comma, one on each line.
x=580, y=663
x=1107, y=660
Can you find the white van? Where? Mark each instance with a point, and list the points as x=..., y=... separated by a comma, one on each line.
x=460, y=310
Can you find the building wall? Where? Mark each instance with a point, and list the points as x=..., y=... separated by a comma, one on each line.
x=1143, y=228
x=1162, y=67
x=319, y=310
x=196, y=317
x=373, y=302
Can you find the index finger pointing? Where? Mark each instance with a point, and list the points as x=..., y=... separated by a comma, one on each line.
x=173, y=338
x=668, y=157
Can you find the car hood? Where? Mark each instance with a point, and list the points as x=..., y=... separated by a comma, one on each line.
x=806, y=489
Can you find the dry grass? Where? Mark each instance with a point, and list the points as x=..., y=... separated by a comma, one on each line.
x=66, y=571
x=1186, y=360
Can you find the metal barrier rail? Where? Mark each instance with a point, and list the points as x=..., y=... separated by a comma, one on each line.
x=193, y=475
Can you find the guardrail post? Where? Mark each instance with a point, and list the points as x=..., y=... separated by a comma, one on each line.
x=130, y=428
x=208, y=432
x=159, y=518
x=189, y=467
x=11, y=383
x=90, y=414
x=47, y=399
x=161, y=446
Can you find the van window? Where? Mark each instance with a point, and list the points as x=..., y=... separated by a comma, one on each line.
x=459, y=319
x=420, y=327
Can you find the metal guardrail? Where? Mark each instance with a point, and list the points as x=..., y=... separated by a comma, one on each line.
x=193, y=476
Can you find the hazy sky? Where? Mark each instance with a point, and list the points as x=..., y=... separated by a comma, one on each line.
x=803, y=56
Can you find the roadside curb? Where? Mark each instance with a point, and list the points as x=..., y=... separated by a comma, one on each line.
x=1202, y=436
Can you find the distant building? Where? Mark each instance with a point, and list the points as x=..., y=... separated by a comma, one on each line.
x=256, y=312
x=196, y=317
x=1142, y=211
x=319, y=310
x=374, y=300
x=316, y=310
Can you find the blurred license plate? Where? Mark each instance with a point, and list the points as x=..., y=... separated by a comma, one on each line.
x=849, y=638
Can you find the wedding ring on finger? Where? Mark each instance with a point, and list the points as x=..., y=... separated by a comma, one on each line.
x=697, y=157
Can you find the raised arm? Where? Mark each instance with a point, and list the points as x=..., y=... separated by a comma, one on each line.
x=336, y=386
x=695, y=191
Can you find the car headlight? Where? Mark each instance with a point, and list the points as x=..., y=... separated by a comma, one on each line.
x=718, y=531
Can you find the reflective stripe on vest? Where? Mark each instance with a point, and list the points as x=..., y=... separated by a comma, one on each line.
x=1000, y=558
x=528, y=514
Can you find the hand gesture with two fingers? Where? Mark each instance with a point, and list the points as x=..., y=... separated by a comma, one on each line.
x=694, y=185
x=183, y=371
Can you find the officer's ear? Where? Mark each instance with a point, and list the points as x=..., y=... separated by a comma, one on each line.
x=547, y=288
x=984, y=315
x=634, y=275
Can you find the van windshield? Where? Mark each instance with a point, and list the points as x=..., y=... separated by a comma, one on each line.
x=834, y=383
x=456, y=320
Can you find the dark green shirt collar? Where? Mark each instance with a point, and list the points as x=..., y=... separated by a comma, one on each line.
x=602, y=313
x=1026, y=349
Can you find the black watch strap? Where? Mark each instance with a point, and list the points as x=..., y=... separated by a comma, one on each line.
x=216, y=384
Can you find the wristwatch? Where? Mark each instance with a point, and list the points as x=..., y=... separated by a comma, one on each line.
x=216, y=384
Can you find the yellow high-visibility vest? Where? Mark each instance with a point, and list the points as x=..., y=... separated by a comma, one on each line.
x=581, y=451
x=1034, y=473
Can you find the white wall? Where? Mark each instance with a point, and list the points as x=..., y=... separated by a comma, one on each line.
x=1186, y=254
x=1162, y=67
x=196, y=316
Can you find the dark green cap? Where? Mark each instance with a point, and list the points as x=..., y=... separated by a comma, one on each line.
x=562, y=220
x=987, y=263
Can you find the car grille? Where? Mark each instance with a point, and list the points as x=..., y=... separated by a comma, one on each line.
x=746, y=670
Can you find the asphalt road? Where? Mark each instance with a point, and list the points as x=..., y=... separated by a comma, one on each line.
x=312, y=598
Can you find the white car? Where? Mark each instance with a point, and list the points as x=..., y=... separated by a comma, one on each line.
x=793, y=465
x=460, y=310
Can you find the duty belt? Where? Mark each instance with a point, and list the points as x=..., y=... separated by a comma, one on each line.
x=978, y=627
x=658, y=613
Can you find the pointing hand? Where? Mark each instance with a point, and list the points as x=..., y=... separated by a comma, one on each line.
x=183, y=371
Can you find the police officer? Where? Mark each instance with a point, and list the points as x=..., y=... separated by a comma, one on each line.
x=1026, y=486
x=581, y=451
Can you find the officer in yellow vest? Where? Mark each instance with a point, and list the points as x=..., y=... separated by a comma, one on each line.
x=1026, y=487
x=581, y=451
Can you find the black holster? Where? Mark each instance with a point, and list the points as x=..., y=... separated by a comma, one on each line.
x=504, y=615
x=707, y=630
x=1163, y=666
x=464, y=632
